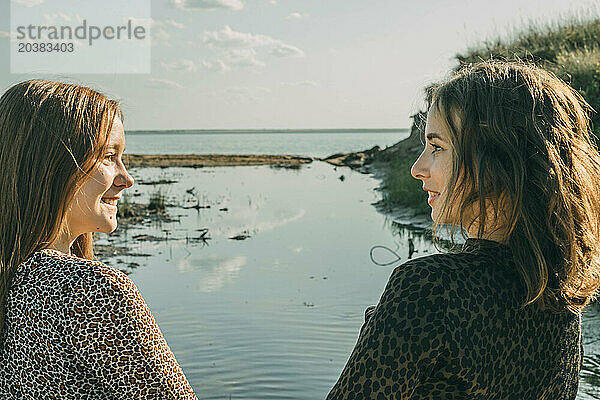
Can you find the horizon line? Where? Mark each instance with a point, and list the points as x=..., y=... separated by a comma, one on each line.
x=266, y=130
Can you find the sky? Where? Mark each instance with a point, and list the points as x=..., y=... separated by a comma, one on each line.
x=285, y=64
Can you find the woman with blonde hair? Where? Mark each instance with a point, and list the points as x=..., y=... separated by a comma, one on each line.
x=510, y=158
x=70, y=327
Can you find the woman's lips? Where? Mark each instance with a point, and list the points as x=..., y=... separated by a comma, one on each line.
x=432, y=197
x=107, y=200
x=110, y=206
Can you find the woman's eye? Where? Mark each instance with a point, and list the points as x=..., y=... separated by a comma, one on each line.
x=435, y=148
x=110, y=157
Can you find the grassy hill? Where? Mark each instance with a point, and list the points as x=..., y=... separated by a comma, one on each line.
x=570, y=48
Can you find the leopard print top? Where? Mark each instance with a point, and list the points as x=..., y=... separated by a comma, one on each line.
x=79, y=329
x=448, y=326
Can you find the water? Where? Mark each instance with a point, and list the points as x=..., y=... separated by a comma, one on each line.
x=310, y=143
x=274, y=316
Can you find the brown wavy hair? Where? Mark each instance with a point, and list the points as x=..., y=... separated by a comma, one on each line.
x=524, y=153
x=52, y=136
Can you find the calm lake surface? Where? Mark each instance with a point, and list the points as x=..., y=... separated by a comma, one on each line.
x=274, y=316
x=311, y=143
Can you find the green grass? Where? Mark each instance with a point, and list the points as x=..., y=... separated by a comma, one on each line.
x=157, y=201
x=569, y=47
x=543, y=42
x=125, y=209
x=400, y=189
x=583, y=65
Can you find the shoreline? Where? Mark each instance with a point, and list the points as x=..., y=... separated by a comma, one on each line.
x=356, y=160
x=212, y=160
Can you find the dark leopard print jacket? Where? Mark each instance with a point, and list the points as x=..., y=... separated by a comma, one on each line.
x=79, y=329
x=448, y=326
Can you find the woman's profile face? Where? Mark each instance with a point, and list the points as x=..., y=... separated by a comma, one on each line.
x=90, y=210
x=434, y=165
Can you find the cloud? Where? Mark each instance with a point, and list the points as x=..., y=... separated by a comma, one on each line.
x=160, y=29
x=285, y=50
x=28, y=3
x=174, y=24
x=297, y=16
x=53, y=17
x=161, y=35
x=241, y=94
x=301, y=83
x=243, y=58
x=183, y=65
x=228, y=38
x=207, y=4
x=217, y=65
x=157, y=83
x=247, y=62
x=155, y=23
x=246, y=90
x=145, y=22
x=246, y=58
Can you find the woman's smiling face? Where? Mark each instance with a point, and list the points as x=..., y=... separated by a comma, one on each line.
x=434, y=165
x=89, y=211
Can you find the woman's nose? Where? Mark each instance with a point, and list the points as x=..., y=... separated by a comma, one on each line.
x=419, y=169
x=126, y=179
x=130, y=180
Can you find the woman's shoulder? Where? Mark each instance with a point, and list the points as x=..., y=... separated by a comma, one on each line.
x=51, y=267
x=457, y=279
x=64, y=289
x=445, y=261
x=422, y=277
x=435, y=267
x=436, y=274
x=443, y=265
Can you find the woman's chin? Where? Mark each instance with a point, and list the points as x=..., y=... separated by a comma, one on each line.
x=433, y=215
x=113, y=225
x=109, y=224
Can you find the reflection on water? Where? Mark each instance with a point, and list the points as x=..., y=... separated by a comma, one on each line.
x=274, y=316
x=218, y=270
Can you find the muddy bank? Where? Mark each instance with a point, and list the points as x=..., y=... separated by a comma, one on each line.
x=375, y=158
x=355, y=160
x=211, y=160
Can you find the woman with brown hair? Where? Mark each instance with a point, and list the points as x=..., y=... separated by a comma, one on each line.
x=71, y=327
x=511, y=159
